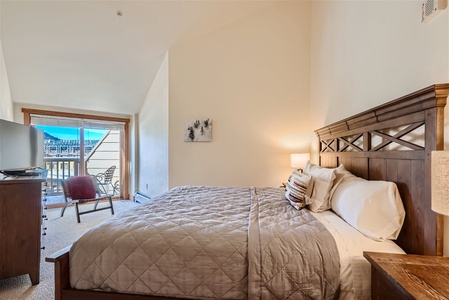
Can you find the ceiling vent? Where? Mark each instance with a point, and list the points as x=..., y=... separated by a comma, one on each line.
x=431, y=8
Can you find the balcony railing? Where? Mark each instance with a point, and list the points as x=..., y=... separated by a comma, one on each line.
x=60, y=168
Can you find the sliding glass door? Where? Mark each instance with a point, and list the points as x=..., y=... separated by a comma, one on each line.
x=82, y=145
x=62, y=158
x=71, y=151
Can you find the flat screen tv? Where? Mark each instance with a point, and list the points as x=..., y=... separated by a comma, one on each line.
x=21, y=148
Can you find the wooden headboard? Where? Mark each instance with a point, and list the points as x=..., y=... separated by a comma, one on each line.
x=393, y=142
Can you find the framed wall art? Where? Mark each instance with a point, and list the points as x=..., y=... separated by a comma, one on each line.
x=198, y=130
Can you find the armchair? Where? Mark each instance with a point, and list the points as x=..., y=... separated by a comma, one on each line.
x=81, y=189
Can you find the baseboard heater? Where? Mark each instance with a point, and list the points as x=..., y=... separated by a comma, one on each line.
x=141, y=197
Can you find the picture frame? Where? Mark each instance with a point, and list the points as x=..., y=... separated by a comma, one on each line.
x=198, y=130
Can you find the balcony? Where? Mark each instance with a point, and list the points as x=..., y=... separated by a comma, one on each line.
x=60, y=168
x=62, y=161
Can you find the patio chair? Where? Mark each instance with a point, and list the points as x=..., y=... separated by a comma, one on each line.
x=105, y=180
x=82, y=189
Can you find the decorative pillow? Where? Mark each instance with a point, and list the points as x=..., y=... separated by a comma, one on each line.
x=297, y=189
x=372, y=207
x=81, y=187
x=323, y=179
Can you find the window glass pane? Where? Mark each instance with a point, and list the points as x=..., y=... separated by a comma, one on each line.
x=63, y=147
x=60, y=141
x=94, y=134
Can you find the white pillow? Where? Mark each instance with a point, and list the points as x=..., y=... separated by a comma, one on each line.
x=340, y=174
x=322, y=180
x=298, y=188
x=372, y=207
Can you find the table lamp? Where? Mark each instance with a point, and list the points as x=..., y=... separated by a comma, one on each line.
x=299, y=160
x=440, y=182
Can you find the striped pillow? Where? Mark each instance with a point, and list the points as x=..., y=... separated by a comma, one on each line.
x=298, y=189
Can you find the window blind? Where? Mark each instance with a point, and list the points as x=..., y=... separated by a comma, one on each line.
x=76, y=123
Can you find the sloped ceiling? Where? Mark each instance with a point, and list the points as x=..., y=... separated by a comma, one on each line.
x=83, y=55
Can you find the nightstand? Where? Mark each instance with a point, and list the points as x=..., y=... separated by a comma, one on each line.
x=407, y=276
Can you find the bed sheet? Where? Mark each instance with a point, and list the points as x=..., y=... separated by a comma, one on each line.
x=355, y=270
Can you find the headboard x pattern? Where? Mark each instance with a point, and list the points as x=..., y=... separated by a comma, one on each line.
x=393, y=142
x=355, y=142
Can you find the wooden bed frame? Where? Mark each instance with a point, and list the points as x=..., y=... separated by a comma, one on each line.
x=351, y=142
x=364, y=144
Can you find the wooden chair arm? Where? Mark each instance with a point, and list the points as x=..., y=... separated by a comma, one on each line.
x=58, y=255
x=103, y=197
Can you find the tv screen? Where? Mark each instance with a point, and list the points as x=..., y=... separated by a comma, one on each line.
x=21, y=147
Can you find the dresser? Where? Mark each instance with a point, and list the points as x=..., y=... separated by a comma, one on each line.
x=20, y=227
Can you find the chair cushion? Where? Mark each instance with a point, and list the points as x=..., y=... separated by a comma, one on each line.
x=81, y=187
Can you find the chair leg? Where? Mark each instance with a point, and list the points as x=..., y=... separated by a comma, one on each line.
x=110, y=203
x=96, y=203
x=63, y=209
x=77, y=213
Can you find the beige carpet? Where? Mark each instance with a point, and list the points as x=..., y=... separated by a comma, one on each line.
x=61, y=232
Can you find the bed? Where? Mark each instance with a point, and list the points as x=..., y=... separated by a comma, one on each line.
x=252, y=226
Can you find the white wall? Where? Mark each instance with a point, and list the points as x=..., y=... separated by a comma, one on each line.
x=152, y=154
x=251, y=77
x=6, y=105
x=365, y=53
x=446, y=147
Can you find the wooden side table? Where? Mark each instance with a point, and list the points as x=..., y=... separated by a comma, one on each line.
x=406, y=276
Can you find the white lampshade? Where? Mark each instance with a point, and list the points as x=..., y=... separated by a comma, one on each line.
x=440, y=182
x=299, y=161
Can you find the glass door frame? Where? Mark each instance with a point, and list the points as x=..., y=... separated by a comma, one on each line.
x=124, y=140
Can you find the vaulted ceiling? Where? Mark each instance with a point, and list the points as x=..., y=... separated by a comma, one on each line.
x=100, y=55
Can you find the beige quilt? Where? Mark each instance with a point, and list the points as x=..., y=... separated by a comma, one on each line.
x=210, y=243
